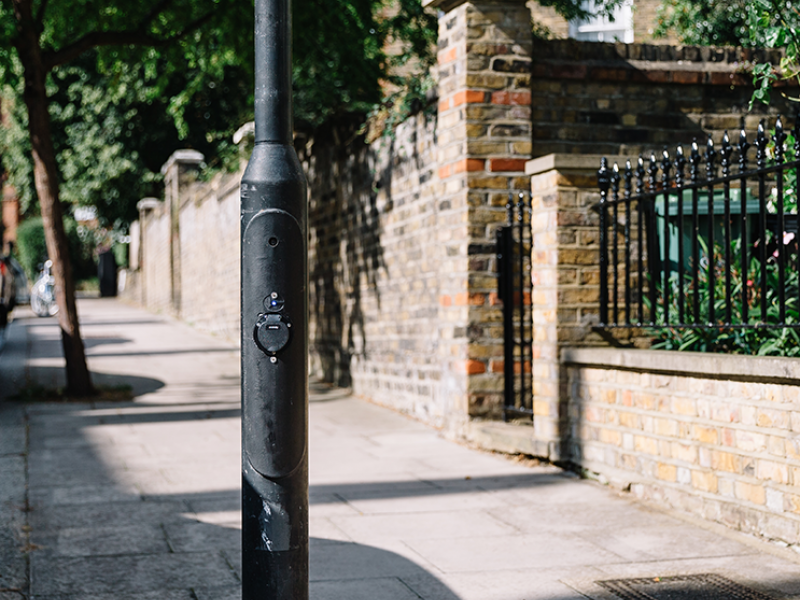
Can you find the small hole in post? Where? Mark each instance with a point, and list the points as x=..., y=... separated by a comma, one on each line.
x=273, y=241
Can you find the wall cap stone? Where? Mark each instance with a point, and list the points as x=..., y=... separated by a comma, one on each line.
x=564, y=162
x=448, y=5
x=148, y=204
x=735, y=366
x=246, y=130
x=184, y=157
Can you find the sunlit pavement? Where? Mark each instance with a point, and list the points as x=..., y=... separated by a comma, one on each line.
x=140, y=500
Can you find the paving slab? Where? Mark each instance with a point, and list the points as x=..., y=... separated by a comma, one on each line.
x=140, y=500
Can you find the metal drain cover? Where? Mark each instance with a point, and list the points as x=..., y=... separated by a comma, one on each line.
x=707, y=586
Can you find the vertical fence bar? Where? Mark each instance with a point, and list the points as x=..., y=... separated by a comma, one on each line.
x=666, y=167
x=529, y=284
x=797, y=199
x=603, y=182
x=507, y=295
x=680, y=164
x=694, y=174
x=640, y=236
x=711, y=172
x=652, y=239
x=780, y=139
x=761, y=162
x=615, y=235
x=522, y=348
x=628, y=186
x=725, y=153
x=743, y=146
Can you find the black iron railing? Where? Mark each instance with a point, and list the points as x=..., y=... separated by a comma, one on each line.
x=703, y=241
x=515, y=288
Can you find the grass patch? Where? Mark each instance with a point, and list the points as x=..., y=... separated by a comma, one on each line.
x=34, y=392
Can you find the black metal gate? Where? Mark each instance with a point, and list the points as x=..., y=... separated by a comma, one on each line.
x=515, y=288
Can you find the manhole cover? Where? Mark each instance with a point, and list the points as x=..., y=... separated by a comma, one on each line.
x=682, y=587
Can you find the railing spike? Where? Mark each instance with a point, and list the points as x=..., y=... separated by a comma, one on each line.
x=744, y=145
x=761, y=145
x=780, y=140
x=628, y=177
x=652, y=171
x=725, y=153
x=680, y=165
x=640, y=173
x=603, y=180
x=711, y=156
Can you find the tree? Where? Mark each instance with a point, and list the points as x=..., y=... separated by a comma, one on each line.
x=38, y=37
x=705, y=22
x=775, y=24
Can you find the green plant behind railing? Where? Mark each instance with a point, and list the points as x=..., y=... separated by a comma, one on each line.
x=755, y=339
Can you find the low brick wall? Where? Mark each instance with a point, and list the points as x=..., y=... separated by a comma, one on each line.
x=713, y=435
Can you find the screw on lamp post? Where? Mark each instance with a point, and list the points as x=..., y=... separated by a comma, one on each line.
x=274, y=330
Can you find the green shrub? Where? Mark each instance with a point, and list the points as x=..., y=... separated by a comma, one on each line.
x=32, y=249
x=121, y=254
x=31, y=246
x=757, y=339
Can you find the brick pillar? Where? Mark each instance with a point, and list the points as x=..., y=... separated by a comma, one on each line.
x=484, y=138
x=179, y=171
x=10, y=216
x=566, y=278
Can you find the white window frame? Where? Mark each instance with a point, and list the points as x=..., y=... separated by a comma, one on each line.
x=603, y=29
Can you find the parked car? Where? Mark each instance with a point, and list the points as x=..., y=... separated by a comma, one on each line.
x=8, y=288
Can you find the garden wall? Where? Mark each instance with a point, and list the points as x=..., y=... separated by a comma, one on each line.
x=591, y=98
x=714, y=435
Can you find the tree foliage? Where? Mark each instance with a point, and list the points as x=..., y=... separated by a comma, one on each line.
x=776, y=24
x=705, y=22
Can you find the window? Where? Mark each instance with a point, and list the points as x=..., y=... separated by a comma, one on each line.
x=602, y=28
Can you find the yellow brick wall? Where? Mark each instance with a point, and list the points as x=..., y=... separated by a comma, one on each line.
x=724, y=449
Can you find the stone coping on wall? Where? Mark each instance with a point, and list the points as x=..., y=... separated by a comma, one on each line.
x=448, y=5
x=569, y=162
x=700, y=364
x=674, y=55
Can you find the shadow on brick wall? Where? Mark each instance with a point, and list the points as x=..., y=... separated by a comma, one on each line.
x=346, y=253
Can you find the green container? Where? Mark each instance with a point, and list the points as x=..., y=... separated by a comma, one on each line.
x=718, y=217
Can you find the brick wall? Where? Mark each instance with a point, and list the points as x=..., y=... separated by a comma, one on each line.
x=188, y=260
x=209, y=256
x=714, y=435
x=380, y=260
x=9, y=217
x=484, y=130
x=155, y=292
x=592, y=98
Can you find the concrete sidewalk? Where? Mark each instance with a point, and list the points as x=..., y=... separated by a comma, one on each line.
x=140, y=500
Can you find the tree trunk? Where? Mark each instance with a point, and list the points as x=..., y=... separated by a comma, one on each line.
x=45, y=175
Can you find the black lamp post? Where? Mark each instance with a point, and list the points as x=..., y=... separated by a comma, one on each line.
x=274, y=234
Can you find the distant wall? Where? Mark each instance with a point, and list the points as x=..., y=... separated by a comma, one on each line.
x=188, y=265
x=209, y=235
